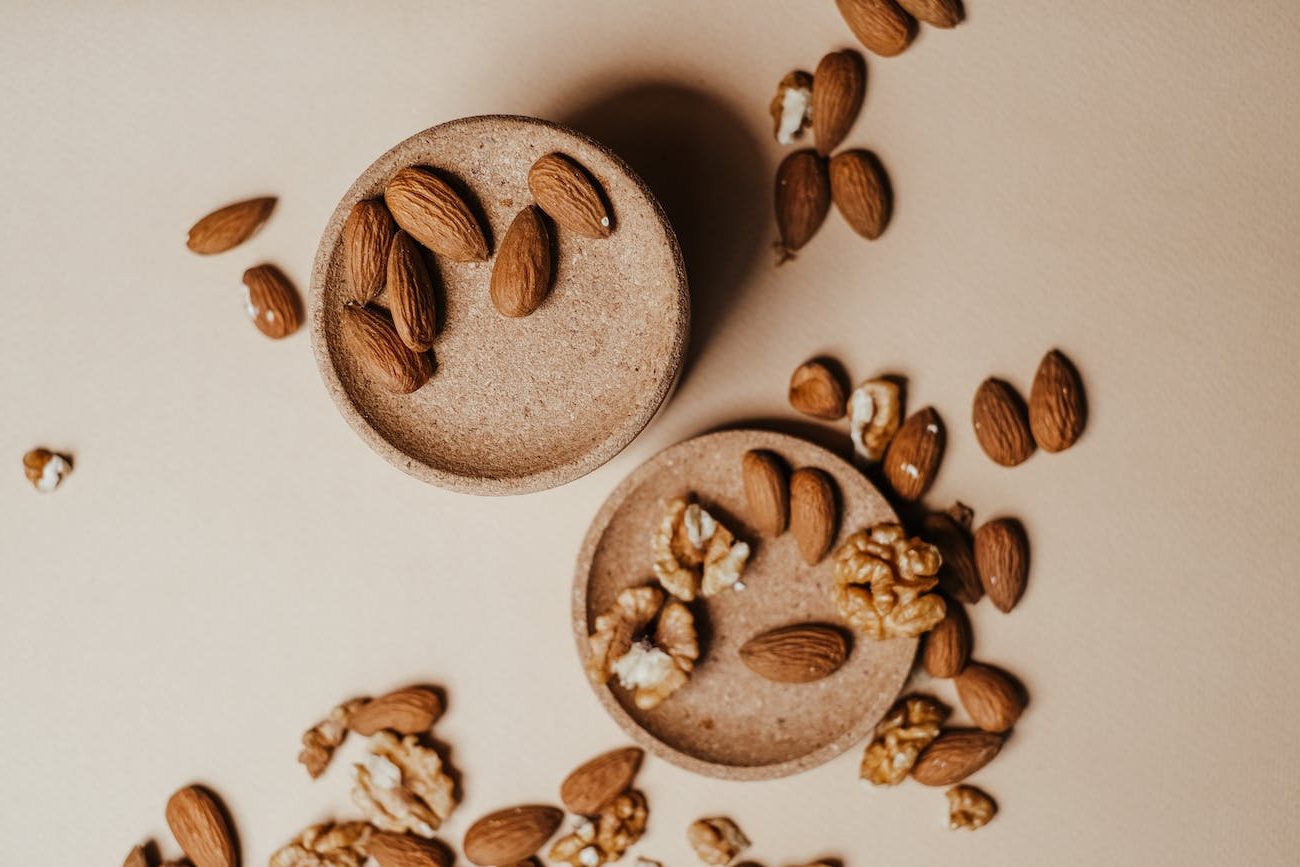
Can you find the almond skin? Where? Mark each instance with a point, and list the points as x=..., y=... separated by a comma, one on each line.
x=136, y=858
x=936, y=13
x=860, y=190
x=1002, y=557
x=912, y=459
x=947, y=645
x=521, y=276
x=1001, y=423
x=200, y=828
x=838, y=87
x=813, y=514
x=958, y=576
x=595, y=783
x=405, y=850
x=410, y=294
x=408, y=711
x=803, y=196
x=795, y=654
x=230, y=226
x=367, y=236
x=569, y=196
x=272, y=301
x=1058, y=409
x=767, y=491
x=956, y=754
x=510, y=835
x=880, y=25
x=375, y=344
x=433, y=213
x=993, y=698
x=816, y=390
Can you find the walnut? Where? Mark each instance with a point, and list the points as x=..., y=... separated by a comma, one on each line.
x=717, y=841
x=402, y=786
x=45, y=469
x=320, y=741
x=653, y=665
x=969, y=807
x=791, y=108
x=606, y=836
x=617, y=628
x=329, y=844
x=909, y=727
x=882, y=579
x=694, y=553
x=875, y=410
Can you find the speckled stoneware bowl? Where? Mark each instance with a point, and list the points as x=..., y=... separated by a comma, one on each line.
x=519, y=405
x=727, y=721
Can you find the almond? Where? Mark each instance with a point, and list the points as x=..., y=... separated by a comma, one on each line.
x=767, y=491
x=993, y=698
x=795, y=654
x=136, y=858
x=956, y=754
x=367, y=235
x=510, y=835
x=860, y=190
x=880, y=25
x=434, y=214
x=595, y=783
x=813, y=515
x=404, y=850
x=839, y=84
x=408, y=711
x=230, y=226
x=936, y=13
x=912, y=459
x=947, y=645
x=272, y=302
x=818, y=391
x=376, y=346
x=958, y=576
x=569, y=196
x=1001, y=425
x=410, y=294
x=1057, y=407
x=199, y=826
x=1002, y=557
x=521, y=275
x=803, y=196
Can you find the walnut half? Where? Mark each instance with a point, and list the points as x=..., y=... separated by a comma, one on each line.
x=606, y=836
x=716, y=841
x=402, y=786
x=882, y=583
x=329, y=844
x=909, y=727
x=653, y=664
x=321, y=740
x=970, y=808
x=695, y=554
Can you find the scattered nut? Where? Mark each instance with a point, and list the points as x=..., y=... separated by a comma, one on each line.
x=329, y=844
x=716, y=841
x=936, y=13
x=969, y=807
x=694, y=553
x=993, y=698
x=1001, y=423
x=880, y=25
x=883, y=580
x=201, y=826
x=875, y=412
x=814, y=515
x=947, y=646
x=791, y=108
x=411, y=710
x=271, y=301
x=816, y=390
x=45, y=469
x=958, y=576
x=912, y=459
x=230, y=226
x=511, y=835
x=803, y=196
x=909, y=727
x=597, y=781
x=402, y=786
x=606, y=836
x=1002, y=558
x=617, y=629
x=956, y=754
x=839, y=85
x=320, y=741
x=653, y=666
x=1058, y=409
x=767, y=491
x=404, y=850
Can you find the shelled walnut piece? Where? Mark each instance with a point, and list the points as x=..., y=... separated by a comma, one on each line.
x=653, y=664
x=909, y=727
x=716, y=841
x=45, y=469
x=402, y=787
x=694, y=553
x=329, y=844
x=875, y=412
x=970, y=808
x=321, y=740
x=606, y=836
x=882, y=583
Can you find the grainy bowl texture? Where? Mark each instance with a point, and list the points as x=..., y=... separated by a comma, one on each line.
x=727, y=721
x=518, y=405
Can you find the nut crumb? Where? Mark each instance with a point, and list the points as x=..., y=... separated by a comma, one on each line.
x=909, y=727
x=45, y=469
x=791, y=108
x=606, y=836
x=875, y=412
x=329, y=844
x=402, y=787
x=694, y=553
x=321, y=740
x=716, y=841
x=882, y=583
x=970, y=808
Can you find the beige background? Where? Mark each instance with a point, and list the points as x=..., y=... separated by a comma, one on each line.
x=1116, y=178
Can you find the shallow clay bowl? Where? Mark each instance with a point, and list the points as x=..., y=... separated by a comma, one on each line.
x=518, y=405
x=728, y=721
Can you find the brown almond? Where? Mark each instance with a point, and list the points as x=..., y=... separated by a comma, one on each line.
x=410, y=294
x=433, y=213
x=1058, y=409
x=376, y=346
x=367, y=235
x=813, y=514
x=569, y=196
x=1001, y=424
x=880, y=25
x=510, y=835
x=596, y=782
x=993, y=698
x=200, y=828
x=272, y=302
x=795, y=654
x=912, y=459
x=521, y=276
x=767, y=491
x=230, y=226
x=1002, y=557
x=816, y=390
x=947, y=645
x=408, y=711
x=956, y=754
x=860, y=190
x=405, y=850
x=839, y=84
x=936, y=13
x=958, y=576
x=803, y=196
x=136, y=858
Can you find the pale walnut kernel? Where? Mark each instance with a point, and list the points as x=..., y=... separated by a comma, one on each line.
x=329, y=844
x=694, y=553
x=716, y=841
x=617, y=629
x=606, y=836
x=882, y=579
x=45, y=469
x=402, y=786
x=652, y=665
x=875, y=411
x=909, y=727
x=791, y=108
x=969, y=807
x=321, y=740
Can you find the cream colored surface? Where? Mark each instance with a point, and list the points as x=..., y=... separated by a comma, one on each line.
x=227, y=560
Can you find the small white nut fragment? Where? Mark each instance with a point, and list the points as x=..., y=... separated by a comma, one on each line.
x=643, y=666
x=402, y=787
x=694, y=553
x=46, y=469
x=970, y=808
x=321, y=740
x=329, y=844
x=791, y=108
x=875, y=412
x=716, y=841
